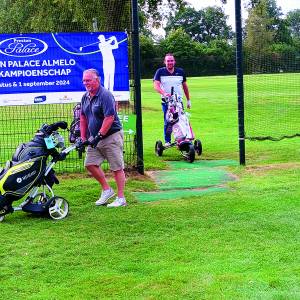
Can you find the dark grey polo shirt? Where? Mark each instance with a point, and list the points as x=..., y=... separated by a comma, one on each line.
x=96, y=109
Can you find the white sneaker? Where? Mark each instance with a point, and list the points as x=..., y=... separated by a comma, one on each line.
x=167, y=144
x=105, y=196
x=118, y=202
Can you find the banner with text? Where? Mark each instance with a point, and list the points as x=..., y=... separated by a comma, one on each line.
x=47, y=68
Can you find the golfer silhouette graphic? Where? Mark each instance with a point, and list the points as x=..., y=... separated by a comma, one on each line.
x=106, y=48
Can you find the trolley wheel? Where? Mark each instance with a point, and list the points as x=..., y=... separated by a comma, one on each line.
x=159, y=148
x=198, y=147
x=190, y=154
x=7, y=209
x=58, y=208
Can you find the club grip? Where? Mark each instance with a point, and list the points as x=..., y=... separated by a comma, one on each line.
x=172, y=90
x=48, y=129
x=60, y=124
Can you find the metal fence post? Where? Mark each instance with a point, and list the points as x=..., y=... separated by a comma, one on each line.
x=240, y=84
x=137, y=86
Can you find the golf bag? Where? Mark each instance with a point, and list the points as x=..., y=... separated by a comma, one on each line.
x=178, y=122
x=28, y=170
x=74, y=134
x=75, y=125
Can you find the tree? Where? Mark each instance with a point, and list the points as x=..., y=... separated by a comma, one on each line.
x=268, y=40
x=179, y=43
x=293, y=21
x=157, y=10
x=203, y=26
x=74, y=15
x=259, y=36
x=147, y=48
x=78, y=15
x=276, y=23
x=60, y=15
x=220, y=58
x=259, y=31
x=216, y=57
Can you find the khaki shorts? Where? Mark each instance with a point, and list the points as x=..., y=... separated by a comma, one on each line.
x=110, y=149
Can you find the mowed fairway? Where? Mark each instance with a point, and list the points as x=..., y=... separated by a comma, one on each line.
x=241, y=243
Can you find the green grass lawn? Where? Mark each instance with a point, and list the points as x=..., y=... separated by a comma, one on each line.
x=242, y=243
x=214, y=121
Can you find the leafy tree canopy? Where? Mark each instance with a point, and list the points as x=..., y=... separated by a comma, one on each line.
x=76, y=15
x=179, y=43
x=62, y=15
x=259, y=32
x=274, y=14
x=265, y=26
x=203, y=25
x=293, y=20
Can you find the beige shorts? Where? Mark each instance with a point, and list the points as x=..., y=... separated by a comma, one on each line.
x=110, y=149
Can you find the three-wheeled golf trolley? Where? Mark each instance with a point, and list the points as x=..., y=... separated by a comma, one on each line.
x=29, y=173
x=179, y=125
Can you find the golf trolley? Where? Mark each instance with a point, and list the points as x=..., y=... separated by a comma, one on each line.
x=28, y=172
x=178, y=123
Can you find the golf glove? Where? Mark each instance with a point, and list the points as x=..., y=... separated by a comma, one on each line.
x=93, y=141
x=80, y=144
x=188, y=104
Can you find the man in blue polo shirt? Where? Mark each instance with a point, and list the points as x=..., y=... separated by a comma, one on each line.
x=164, y=79
x=100, y=125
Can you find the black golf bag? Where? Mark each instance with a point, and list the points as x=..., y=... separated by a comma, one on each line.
x=27, y=168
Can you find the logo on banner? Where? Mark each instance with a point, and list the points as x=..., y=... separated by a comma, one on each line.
x=39, y=99
x=66, y=98
x=22, y=46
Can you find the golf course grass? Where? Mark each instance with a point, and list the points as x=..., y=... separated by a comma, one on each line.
x=218, y=230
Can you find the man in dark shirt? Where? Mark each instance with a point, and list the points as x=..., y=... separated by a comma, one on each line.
x=100, y=125
x=164, y=79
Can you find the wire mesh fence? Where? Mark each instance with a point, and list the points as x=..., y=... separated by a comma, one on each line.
x=272, y=92
x=19, y=123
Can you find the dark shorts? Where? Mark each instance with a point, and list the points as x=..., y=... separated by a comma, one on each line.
x=110, y=149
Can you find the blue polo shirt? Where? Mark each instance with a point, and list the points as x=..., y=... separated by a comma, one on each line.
x=95, y=109
x=168, y=80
